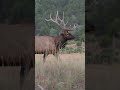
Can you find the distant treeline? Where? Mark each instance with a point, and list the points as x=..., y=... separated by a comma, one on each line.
x=104, y=14
x=74, y=13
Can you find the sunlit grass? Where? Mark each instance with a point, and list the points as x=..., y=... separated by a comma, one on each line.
x=67, y=74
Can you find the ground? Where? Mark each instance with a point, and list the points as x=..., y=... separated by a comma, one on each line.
x=67, y=74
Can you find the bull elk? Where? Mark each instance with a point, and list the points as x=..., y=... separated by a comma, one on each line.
x=51, y=44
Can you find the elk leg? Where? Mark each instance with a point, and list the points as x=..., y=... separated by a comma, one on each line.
x=44, y=57
x=57, y=56
x=22, y=76
x=25, y=68
x=23, y=73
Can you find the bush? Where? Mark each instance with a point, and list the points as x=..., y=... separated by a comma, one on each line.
x=79, y=43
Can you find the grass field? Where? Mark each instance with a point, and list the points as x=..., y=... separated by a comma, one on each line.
x=67, y=74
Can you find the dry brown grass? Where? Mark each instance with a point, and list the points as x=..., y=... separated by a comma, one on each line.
x=67, y=74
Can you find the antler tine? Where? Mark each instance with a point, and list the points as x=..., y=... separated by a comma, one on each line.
x=71, y=29
x=60, y=22
x=64, y=21
x=54, y=20
x=57, y=16
x=74, y=27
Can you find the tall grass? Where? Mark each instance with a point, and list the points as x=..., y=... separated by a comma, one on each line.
x=66, y=74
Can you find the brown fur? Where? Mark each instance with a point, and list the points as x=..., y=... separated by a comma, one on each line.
x=51, y=45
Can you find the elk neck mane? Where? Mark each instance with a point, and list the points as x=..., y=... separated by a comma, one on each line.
x=60, y=41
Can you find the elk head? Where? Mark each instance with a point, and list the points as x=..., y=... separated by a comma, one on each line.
x=65, y=29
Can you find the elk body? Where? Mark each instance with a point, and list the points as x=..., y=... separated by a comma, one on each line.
x=16, y=50
x=51, y=44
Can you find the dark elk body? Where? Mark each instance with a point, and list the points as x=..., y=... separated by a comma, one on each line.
x=51, y=44
x=17, y=48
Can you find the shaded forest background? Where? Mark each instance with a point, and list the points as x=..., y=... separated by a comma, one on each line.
x=103, y=45
x=74, y=13
x=103, y=14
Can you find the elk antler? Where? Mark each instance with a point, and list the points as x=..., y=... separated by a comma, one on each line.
x=60, y=22
x=70, y=28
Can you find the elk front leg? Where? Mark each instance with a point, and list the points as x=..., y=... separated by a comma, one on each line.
x=44, y=57
x=25, y=68
x=57, y=56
